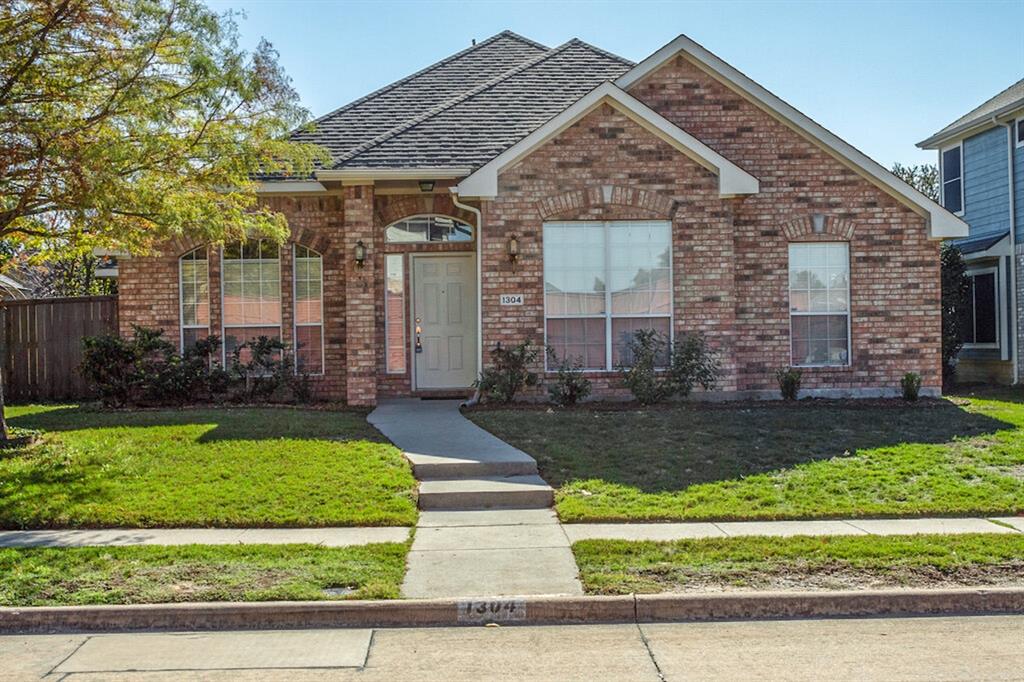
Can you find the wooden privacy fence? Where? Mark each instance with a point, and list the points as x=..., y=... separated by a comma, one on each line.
x=42, y=343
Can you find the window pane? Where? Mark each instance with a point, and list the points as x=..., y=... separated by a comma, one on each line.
x=309, y=349
x=194, y=289
x=820, y=339
x=394, y=314
x=623, y=331
x=252, y=284
x=951, y=164
x=574, y=269
x=639, y=256
x=429, y=229
x=985, y=324
x=967, y=316
x=951, y=196
x=581, y=338
x=236, y=336
x=190, y=336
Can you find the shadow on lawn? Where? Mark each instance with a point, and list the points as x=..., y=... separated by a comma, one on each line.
x=671, y=449
x=227, y=423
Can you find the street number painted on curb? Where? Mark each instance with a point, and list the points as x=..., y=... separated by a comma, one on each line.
x=495, y=611
x=511, y=299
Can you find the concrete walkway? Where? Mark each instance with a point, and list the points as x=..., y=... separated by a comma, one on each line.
x=486, y=528
x=327, y=537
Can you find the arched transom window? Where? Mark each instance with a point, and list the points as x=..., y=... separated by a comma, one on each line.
x=428, y=228
x=309, y=310
x=194, y=277
x=251, y=292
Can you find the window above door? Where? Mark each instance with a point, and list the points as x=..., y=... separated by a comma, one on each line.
x=422, y=229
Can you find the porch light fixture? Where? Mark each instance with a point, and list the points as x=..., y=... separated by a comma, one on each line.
x=513, y=249
x=818, y=223
x=426, y=185
x=360, y=253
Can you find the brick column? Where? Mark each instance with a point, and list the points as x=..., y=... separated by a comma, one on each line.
x=360, y=299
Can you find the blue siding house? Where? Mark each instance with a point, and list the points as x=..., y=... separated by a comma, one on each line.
x=981, y=179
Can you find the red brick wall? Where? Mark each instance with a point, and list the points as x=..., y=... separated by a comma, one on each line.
x=895, y=286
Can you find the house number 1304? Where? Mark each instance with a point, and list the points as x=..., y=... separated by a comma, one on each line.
x=511, y=299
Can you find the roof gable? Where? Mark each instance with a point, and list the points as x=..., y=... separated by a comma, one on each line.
x=732, y=179
x=941, y=222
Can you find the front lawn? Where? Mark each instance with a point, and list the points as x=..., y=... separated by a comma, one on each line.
x=229, y=467
x=812, y=459
x=800, y=563
x=193, y=573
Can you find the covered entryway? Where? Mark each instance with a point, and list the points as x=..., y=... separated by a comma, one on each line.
x=444, y=321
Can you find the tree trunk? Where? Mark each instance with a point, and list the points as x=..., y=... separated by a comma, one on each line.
x=3, y=419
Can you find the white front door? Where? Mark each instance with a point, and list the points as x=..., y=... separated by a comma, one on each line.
x=444, y=321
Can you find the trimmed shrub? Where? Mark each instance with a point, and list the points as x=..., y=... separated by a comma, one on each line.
x=789, y=382
x=509, y=372
x=648, y=349
x=911, y=385
x=693, y=363
x=571, y=385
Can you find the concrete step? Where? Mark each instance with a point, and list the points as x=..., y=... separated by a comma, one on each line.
x=451, y=468
x=491, y=492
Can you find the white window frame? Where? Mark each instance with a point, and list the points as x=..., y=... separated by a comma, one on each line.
x=224, y=326
x=942, y=176
x=849, y=311
x=994, y=271
x=608, y=315
x=1019, y=133
x=181, y=298
x=472, y=229
x=295, y=317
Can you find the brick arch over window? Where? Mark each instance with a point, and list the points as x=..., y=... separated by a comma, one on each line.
x=576, y=202
x=802, y=229
x=389, y=209
x=311, y=238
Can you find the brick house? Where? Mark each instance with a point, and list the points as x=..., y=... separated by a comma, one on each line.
x=568, y=196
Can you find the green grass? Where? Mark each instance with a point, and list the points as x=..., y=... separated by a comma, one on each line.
x=814, y=459
x=206, y=467
x=840, y=562
x=191, y=573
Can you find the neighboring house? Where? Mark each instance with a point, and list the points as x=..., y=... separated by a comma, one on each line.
x=568, y=196
x=981, y=179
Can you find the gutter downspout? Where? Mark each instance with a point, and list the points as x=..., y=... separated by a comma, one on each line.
x=479, y=290
x=1013, y=252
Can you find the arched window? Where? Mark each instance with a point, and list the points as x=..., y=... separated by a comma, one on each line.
x=309, y=310
x=251, y=292
x=428, y=228
x=194, y=282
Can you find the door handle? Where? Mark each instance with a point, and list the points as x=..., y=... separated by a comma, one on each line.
x=419, y=342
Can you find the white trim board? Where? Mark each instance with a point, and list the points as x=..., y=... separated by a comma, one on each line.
x=942, y=224
x=732, y=180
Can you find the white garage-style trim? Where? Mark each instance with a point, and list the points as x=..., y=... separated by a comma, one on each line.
x=732, y=180
x=942, y=223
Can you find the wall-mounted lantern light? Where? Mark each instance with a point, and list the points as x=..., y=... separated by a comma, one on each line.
x=513, y=249
x=818, y=223
x=360, y=253
x=426, y=185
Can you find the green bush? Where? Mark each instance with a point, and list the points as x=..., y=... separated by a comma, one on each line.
x=789, y=382
x=911, y=385
x=571, y=385
x=509, y=372
x=693, y=363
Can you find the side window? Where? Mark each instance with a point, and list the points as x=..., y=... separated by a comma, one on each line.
x=980, y=324
x=194, y=283
x=952, y=179
x=307, y=267
x=819, y=303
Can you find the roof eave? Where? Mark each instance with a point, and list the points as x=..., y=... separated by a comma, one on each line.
x=977, y=125
x=942, y=223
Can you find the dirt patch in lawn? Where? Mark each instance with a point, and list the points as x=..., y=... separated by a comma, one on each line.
x=830, y=577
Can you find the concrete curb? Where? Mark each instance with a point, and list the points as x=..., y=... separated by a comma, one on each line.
x=511, y=611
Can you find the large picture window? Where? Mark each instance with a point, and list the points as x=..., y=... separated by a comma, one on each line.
x=308, y=277
x=251, y=290
x=602, y=282
x=819, y=303
x=194, y=280
x=980, y=326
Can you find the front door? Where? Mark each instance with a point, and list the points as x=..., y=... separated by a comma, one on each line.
x=444, y=316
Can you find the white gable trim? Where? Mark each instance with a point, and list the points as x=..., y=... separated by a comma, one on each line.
x=942, y=223
x=732, y=180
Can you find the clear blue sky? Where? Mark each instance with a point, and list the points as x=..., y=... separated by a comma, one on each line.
x=881, y=75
